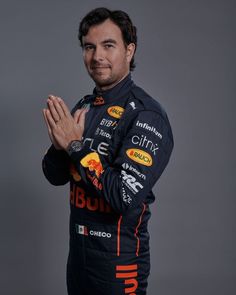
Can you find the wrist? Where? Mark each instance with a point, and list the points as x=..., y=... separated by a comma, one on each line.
x=74, y=146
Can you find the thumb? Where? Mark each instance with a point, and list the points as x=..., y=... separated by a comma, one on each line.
x=77, y=115
x=82, y=117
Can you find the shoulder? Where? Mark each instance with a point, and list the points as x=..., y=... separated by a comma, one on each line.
x=145, y=114
x=147, y=103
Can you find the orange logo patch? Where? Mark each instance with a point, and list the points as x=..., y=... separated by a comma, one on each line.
x=92, y=161
x=115, y=111
x=139, y=156
x=74, y=173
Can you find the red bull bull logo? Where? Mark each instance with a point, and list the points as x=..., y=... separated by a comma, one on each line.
x=99, y=101
x=93, y=163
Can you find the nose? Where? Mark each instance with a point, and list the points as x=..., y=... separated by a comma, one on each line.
x=98, y=54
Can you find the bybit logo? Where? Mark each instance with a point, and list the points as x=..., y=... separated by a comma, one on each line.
x=115, y=111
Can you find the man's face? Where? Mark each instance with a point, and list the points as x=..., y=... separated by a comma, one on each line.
x=106, y=57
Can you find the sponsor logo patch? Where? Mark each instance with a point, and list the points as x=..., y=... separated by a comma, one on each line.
x=143, y=141
x=92, y=161
x=103, y=133
x=80, y=199
x=100, y=147
x=108, y=123
x=139, y=156
x=127, y=166
x=115, y=111
x=99, y=101
x=149, y=128
x=126, y=197
x=131, y=182
x=132, y=103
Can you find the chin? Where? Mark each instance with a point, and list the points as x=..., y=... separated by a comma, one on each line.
x=102, y=81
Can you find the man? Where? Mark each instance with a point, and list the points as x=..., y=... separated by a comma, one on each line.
x=112, y=147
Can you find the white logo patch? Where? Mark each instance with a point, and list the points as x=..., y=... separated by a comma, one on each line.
x=131, y=182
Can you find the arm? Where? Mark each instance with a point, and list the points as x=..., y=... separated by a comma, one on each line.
x=62, y=128
x=56, y=165
x=146, y=147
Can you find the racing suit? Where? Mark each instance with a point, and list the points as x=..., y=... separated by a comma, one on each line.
x=127, y=145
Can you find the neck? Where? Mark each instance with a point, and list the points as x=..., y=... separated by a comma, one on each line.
x=104, y=88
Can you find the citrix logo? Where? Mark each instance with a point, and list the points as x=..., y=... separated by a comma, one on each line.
x=144, y=142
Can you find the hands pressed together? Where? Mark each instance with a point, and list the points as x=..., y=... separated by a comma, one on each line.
x=62, y=126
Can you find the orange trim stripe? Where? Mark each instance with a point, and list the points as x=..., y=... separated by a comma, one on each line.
x=124, y=275
x=136, y=230
x=127, y=267
x=118, y=236
x=133, y=288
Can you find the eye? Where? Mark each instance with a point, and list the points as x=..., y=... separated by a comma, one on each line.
x=108, y=46
x=88, y=47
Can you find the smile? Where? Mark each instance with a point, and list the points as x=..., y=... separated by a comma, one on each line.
x=94, y=68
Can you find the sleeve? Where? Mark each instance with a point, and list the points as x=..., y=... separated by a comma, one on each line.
x=56, y=165
x=146, y=147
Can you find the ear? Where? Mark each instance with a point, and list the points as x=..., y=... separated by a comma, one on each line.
x=130, y=51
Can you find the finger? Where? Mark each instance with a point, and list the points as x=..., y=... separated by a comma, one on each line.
x=55, y=103
x=64, y=107
x=82, y=117
x=77, y=115
x=54, y=112
x=50, y=120
x=46, y=120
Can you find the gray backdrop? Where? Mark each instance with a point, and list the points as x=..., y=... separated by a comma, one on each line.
x=186, y=57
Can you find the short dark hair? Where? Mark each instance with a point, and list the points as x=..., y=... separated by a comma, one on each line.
x=119, y=17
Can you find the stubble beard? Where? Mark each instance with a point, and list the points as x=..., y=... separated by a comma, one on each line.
x=103, y=83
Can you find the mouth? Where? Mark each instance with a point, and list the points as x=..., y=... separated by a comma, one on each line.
x=100, y=67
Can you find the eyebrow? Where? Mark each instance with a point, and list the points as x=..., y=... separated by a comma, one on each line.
x=103, y=42
x=109, y=41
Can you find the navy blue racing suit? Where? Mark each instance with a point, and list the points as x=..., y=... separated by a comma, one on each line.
x=127, y=145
